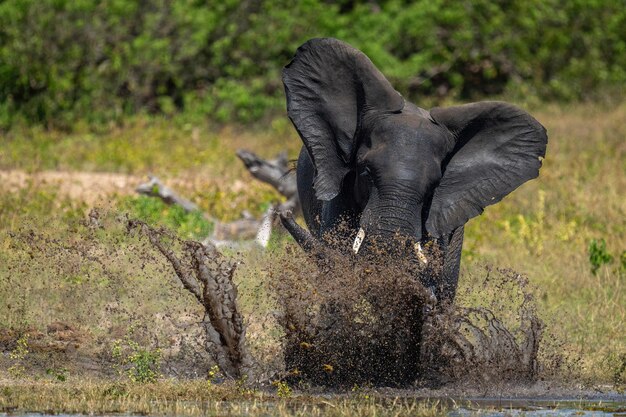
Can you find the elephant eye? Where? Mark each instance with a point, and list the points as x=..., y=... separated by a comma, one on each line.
x=365, y=172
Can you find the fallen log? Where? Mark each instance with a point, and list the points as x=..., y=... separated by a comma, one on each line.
x=155, y=188
x=274, y=172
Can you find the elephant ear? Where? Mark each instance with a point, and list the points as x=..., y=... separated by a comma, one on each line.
x=497, y=148
x=330, y=86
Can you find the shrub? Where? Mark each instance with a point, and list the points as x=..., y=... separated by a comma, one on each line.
x=140, y=364
x=17, y=356
x=64, y=60
x=598, y=255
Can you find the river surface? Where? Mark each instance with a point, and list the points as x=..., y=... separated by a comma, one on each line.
x=503, y=407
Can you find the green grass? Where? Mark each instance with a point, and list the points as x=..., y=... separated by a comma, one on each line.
x=193, y=225
x=543, y=230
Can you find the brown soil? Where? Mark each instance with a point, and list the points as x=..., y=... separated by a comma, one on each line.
x=90, y=187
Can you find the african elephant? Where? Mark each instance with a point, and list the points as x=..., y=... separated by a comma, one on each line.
x=390, y=168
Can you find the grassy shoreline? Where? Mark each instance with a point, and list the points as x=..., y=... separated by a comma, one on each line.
x=199, y=398
x=543, y=230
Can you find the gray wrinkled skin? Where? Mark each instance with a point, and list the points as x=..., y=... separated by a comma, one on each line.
x=403, y=174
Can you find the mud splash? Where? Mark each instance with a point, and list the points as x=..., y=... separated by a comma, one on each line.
x=373, y=323
x=481, y=344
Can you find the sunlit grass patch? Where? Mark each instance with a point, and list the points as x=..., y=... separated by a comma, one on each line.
x=144, y=146
x=152, y=210
x=36, y=204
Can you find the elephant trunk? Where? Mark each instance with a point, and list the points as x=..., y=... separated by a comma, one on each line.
x=393, y=227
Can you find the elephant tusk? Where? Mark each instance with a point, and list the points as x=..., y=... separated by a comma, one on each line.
x=420, y=254
x=358, y=240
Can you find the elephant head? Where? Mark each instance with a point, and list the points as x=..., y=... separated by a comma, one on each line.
x=409, y=171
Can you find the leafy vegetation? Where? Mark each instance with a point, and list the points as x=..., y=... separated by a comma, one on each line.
x=152, y=210
x=598, y=255
x=141, y=364
x=58, y=374
x=17, y=356
x=222, y=60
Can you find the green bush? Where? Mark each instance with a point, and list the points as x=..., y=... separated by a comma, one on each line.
x=63, y=60
x=598, y=255
x=141, y=364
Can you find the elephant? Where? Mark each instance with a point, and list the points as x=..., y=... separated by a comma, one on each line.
x=387, y=168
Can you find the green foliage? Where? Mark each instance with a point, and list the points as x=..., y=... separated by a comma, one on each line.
x=213, y=374
x=598, y=254
x=283, y=390
x=58, y=374
x=17, y=357
x=141, y=364
x=64, y=60
x=154, y=211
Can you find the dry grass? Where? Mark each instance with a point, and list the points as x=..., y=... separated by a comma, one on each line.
x=197, y=398
x=542, y=230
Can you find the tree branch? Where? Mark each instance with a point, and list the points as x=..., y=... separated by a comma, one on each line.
x=155, y=188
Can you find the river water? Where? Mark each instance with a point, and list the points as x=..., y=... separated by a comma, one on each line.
x=539, y=408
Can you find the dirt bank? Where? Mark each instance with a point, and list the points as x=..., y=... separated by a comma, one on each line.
x=90, y=187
